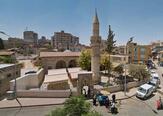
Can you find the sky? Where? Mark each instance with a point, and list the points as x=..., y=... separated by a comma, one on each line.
x=141, y=19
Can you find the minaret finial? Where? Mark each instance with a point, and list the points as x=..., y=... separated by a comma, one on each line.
x=96, y=17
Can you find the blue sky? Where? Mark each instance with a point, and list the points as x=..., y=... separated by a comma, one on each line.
x=142, y=19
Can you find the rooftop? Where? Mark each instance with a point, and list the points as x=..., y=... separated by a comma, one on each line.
x=5, y=65
x=59, y=54
x=57, y=75
x=5, y=53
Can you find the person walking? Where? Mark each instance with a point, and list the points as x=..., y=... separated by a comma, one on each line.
x=94, y=100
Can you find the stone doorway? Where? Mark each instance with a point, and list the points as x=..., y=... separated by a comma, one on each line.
x=85, y=84
x=60, y=64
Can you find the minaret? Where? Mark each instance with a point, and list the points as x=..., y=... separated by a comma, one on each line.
x=95, y=46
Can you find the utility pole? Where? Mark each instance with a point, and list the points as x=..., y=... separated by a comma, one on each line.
x=125, y=86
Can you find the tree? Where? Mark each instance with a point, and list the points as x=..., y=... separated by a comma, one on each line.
x=1, y=44
x=138, y=71
x=106, y=63
x=85, y=60
x=58, y=112
x=119, y=69
x=110, y=44
x=75, y=106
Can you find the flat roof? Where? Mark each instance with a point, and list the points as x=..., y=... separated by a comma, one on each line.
x=5, y=53
x=5, y=65
x=57, y=75
x=59, y=54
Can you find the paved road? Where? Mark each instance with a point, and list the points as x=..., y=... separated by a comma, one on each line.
x=27, y=111
x=135, y=107
x=160, y=72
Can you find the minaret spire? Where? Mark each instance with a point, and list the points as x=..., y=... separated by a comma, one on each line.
x=95, y=20
x=96, y=24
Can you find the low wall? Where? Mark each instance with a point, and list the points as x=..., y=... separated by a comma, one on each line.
x=44, y=94
x=28, y=81
x=63, y=85
x=117, y=88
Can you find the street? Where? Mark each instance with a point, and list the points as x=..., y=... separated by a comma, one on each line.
x=134, y=107
x=28, y=111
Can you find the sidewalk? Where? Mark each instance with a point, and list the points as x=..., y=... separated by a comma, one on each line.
x=31, y=102
x=121, y=94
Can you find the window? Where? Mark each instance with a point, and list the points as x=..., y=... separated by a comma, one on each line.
x=49, y=67
x=17, y=72
x=9, y=76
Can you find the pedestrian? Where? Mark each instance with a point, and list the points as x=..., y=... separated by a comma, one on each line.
x=113, y=98
x=94, y=100
x=161, y=105
x=113, y=108
x=107, y=103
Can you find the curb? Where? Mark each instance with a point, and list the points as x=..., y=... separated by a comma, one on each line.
x=124, y=98
x=31, y=105
x=127, y=97
x=159, y=91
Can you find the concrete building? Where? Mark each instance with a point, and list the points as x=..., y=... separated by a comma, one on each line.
x=156, y=47
x=30, y=37
x=120, y=50
x=44, y=42
x=14, y=42
x=64, y=41
x=8, y=72
x=138, y=53
x=95, y=54
x=56, y=60
x=160, y=58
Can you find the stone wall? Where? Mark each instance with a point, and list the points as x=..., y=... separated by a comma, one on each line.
x=117, y=88
x=28, y=81
x=62, y=85
x=44, y=94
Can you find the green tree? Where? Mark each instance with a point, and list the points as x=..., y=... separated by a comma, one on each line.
x=119, y=69
x=7, y=59
x=57, y=112
x=92, y=113
x=138, y=71
x=75, y=106
x=1, y=44
x=110, y=44
x=85, y=60
x=106, y=63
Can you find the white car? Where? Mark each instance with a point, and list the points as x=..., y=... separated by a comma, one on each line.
x=156, y=77
x=154, y=84
x=144, y=91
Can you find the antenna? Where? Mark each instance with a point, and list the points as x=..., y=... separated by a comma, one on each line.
x=26, y=29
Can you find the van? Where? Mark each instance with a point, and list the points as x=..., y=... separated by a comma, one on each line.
x=144, y=91
x=156, y=77
x=154, y=83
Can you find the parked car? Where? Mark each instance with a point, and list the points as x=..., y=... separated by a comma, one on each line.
x=144, y=91
x=101, y=99
x=155, y=76
x=154, y=84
